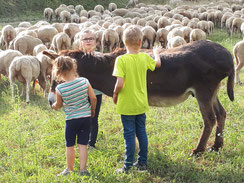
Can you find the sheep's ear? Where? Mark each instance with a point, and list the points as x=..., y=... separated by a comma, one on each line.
x=53, y=56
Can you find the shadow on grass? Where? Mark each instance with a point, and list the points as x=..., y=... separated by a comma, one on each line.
x=185, y=171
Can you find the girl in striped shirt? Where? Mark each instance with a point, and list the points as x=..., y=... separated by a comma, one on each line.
x=73, y=96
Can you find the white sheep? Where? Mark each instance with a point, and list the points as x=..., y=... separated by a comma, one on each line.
x=239, y=58
x=25, y=69
x=149, y=36
x=112, y=6
x=197, y=34
x=48, y=14
x=8, y=33
x=110, y=39
x=26, y=44
x=75, y=18
x=175, y=42
x=99, y=8
x=71, y=29
x=6, y=57
x=24, y=24
x=46, y=34
x=39, y=48
x=65, y=16
x=61, y=41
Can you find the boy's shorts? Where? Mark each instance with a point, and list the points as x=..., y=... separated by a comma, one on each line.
x=79, y=127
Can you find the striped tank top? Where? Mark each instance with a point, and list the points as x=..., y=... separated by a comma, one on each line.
x=75, y=98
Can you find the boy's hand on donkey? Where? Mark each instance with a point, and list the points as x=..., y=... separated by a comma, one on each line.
x=156, y=50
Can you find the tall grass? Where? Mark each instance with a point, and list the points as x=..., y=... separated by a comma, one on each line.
x=32, y=141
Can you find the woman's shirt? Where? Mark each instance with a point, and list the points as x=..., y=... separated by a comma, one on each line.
x=75, y=98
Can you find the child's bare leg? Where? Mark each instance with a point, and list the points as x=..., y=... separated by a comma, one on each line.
x=70, y=157
x=83, y=156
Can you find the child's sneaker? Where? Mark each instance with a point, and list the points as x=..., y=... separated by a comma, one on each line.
x=123, y=170
x=84, y=173
x=140, y=167
x=65, y=172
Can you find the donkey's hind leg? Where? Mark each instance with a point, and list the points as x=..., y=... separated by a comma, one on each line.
x=209, y=120
x=221, y=116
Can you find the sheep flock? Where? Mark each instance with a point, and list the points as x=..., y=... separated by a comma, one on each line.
x=169, y=25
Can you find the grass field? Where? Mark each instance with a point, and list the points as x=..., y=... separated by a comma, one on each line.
x=32, y=141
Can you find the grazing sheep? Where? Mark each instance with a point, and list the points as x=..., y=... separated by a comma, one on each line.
x=75, y=18
x=175, y=32
x=152, y=24
x=78, y=8
x=120, y=12
x=58, y=26
x=25, y=69
x=8, y=33
x=99, y=8
x=46, y=34
x=28, y=32
x=162, y=34
x=112, y=6
x=149, y=36
x=110, y=39
x=186, y=33
x=163, y=22
x=142, y=22
x=6, y=57
x=119, y=29
x=48, y=14
x=65, y=16
x=61, y=41
x=239, y=58
x=236, y=25
x=83, y=13
x=24, y=24
x=175, y=42
x=26, y=44
x=71, y=29
x=39, y=48
x=197, y=34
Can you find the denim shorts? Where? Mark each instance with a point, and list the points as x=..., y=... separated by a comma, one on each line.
x=79, y=127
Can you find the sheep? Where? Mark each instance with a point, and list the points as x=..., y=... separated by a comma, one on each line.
x=8, y=33
x=99, y=8
x=161, y=37
x=149, y=36
x=25, y=69
x=28, y=32
x=197, y=34
x=61, y=41
x=24, y=24
x=78, y=8
x=65, y=16
x=186, y=33
x=83, y=13
x=239, y=58
x=175, y=42
x=92, y=13
x=6, y=57
x=58, y=26
x=112, y=6
x=46, y=34
x=26, y=44
x=203, y=25
x=163, y=22
x=175, y=32
x=110, y=39
x=48, y=14
x=75, y=18
x=142, y=22
x=71, y=29
x=152, y=24
x=119, y=29
x=39, y=48
x=236, y=25
x=120, y=12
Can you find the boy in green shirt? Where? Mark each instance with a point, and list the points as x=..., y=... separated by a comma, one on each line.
x=130, y=95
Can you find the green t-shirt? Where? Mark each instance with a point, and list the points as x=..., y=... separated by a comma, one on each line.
x=132, y=99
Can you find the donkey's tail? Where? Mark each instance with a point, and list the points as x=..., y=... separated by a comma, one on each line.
x=230, y=85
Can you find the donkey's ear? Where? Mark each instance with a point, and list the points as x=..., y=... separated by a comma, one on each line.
x=53, y=56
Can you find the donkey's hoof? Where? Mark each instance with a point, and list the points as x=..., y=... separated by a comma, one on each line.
x=214, y=149
x=195, y=154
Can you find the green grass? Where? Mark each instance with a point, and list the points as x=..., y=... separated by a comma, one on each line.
x=32, y=141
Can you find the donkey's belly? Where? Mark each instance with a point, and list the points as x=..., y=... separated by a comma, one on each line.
x=163, y=101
